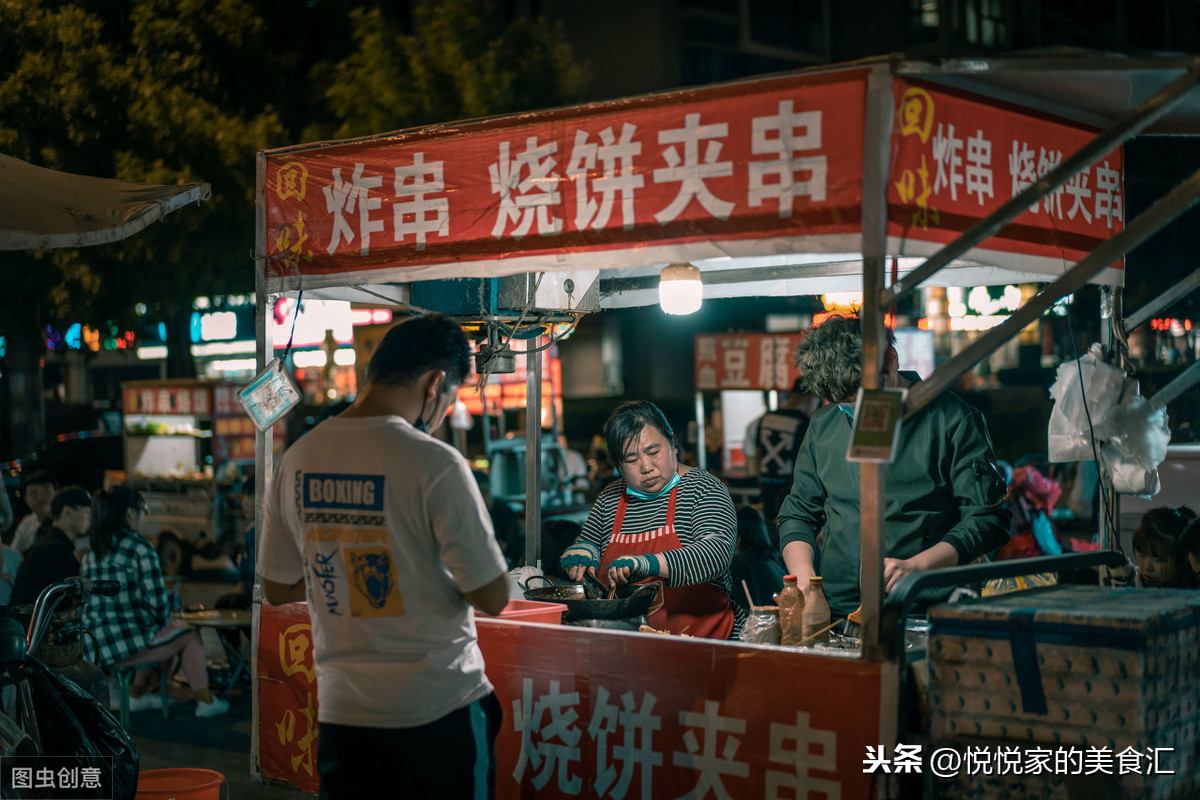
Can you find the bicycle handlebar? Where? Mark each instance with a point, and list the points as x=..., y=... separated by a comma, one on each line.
x=73, y=589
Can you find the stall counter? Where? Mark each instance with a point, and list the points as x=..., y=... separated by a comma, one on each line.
x=610, y=714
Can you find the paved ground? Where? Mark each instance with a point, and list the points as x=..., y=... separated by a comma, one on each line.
x=219, y=743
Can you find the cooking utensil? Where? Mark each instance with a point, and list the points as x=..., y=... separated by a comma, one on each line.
x=598, y=588
x=630, y=601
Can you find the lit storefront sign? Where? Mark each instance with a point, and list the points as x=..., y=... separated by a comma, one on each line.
x=1175, y=327
x=223, y=329
x=85, y=337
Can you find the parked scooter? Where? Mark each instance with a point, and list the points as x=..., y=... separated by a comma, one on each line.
x=47, y=714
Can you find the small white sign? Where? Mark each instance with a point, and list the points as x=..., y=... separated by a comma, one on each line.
x=270, y=395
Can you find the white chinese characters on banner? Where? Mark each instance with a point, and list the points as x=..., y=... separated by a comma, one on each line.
x=353, y=197
x=420, y=214
x=979, y=166
x=715, y=756
x=776, y=135
x=527, y=186
x=962, y=163
x=630, y=748
x=691, y=170
x=550, y=747
x=608, y=170
x=633, y=749
x=1108, y=197
x=735, y=364
x=1104, y=201
x=618, y=177
x=792, y=745
x=947, y=154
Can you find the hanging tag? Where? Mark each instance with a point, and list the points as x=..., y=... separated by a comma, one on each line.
x=270, y=395
x=876, y=428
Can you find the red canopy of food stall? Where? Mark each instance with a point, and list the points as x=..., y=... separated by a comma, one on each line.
x=746, y=174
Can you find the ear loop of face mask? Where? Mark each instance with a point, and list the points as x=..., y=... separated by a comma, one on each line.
x=421, y=424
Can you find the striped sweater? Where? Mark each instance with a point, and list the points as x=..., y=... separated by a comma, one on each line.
x=704, y=522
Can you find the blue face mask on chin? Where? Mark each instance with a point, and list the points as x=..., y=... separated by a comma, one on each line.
x=671, y=484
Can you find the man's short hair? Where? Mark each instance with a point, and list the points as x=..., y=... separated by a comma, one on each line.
x=70, y=497
x=38, y=477
x=417, y=345
x=829, y=358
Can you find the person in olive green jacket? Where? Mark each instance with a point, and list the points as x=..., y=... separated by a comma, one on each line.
x=944, y=497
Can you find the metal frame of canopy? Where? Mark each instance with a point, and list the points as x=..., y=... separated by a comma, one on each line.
x=1123, y=97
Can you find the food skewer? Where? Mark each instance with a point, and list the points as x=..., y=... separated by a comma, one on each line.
x=815, y=634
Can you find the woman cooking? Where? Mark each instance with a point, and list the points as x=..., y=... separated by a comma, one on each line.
x=661, y=522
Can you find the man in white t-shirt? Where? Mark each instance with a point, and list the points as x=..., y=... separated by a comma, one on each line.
x=382, y=529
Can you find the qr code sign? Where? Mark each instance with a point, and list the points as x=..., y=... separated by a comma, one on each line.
x=874, y=416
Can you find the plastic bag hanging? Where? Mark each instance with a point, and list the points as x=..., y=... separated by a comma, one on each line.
x=1084, y=391
x=1137, y=436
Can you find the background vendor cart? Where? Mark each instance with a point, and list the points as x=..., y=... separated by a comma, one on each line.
x=800, y=183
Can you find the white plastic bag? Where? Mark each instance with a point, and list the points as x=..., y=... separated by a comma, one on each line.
x=1137, y=436
x=1070, y=437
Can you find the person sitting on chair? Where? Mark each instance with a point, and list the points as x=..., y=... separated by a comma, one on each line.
x=134, y=628
x=52, y=557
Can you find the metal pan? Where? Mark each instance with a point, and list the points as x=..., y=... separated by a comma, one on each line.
x=631, y=600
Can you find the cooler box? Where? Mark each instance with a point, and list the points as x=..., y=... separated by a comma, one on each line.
x=1083, y=666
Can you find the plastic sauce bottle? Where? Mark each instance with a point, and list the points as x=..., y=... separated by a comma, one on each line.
x=816, y=613
x=791, y=611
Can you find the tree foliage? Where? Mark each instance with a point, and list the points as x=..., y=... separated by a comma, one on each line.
x=459, y=60
x=140, y=91
x=180, y=91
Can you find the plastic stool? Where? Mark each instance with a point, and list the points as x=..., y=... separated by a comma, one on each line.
x=124, y=676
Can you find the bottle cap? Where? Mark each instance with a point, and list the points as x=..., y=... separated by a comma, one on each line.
x=790, y=579
x=815, y=581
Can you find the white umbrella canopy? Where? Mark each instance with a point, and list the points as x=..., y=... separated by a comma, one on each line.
x=43, y=208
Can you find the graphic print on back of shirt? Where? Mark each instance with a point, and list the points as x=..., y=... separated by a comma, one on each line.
x=340, y=514
x=373, y=577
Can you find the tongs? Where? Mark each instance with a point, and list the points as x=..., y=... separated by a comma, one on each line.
x=593, y=585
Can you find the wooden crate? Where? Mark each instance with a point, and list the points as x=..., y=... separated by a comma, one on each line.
x=1074, y=666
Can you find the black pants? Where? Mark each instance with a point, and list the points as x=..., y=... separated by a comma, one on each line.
x=452, y=758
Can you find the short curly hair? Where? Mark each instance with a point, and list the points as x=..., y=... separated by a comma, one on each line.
x=829, y=358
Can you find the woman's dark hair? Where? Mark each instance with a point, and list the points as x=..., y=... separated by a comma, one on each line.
x=752, y=533
x=1159, y=530
x=419, y=344
x=110, y=508
x=626, y=422
x=1189, y=540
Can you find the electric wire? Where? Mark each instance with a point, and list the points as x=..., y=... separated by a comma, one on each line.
x=1106, y=508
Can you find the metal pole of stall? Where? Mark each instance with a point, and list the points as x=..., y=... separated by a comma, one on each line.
x=1160, y=303
x=701, y=447
x=264, y=469
x=873, y=477
x=533, y=455
x=1134, y=233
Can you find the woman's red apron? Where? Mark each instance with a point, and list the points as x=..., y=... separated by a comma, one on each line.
x=701, y=610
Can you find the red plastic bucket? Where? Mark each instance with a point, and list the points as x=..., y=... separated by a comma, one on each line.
x=183, y=783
